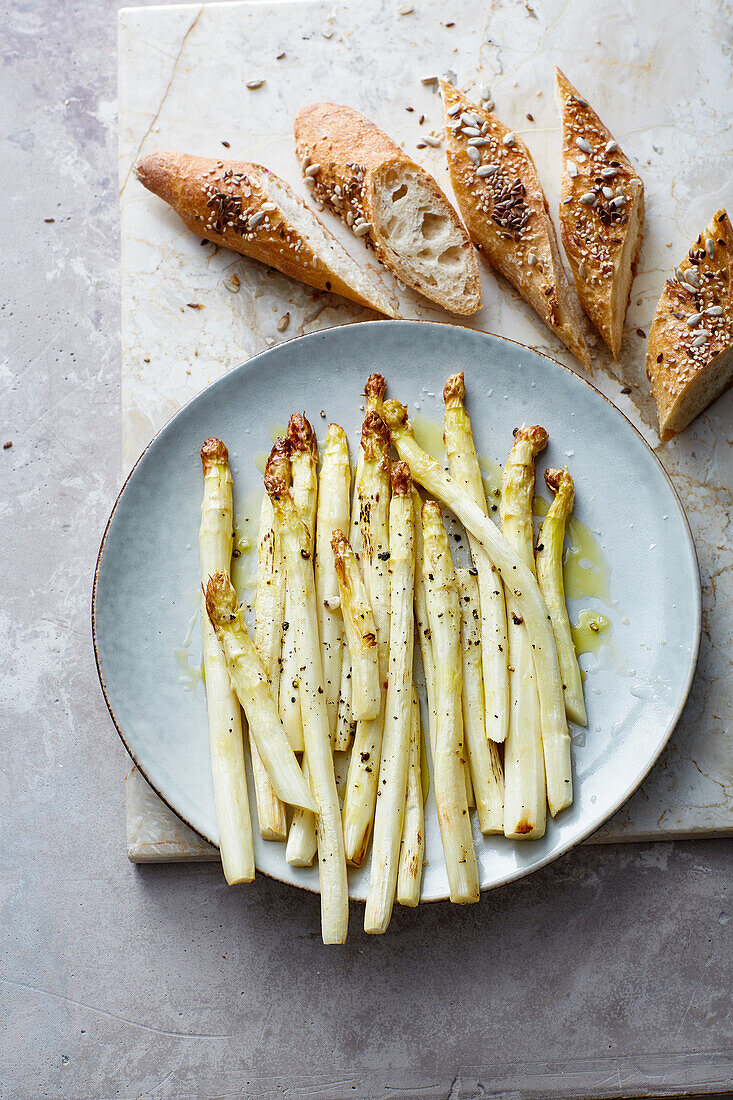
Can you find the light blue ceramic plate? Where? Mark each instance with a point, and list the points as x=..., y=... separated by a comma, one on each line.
x=146, y=587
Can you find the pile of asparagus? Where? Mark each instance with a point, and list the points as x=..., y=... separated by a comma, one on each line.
x=344, y=592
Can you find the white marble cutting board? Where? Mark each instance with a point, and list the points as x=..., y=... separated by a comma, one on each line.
x=661, y=85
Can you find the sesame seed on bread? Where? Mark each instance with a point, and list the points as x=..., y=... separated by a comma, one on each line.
x=601, y=214
x=689, y=358
x=505, y=211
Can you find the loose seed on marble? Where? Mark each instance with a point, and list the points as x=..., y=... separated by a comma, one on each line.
x=254, y=84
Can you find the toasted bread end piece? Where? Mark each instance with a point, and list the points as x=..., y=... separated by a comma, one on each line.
x=690, y=351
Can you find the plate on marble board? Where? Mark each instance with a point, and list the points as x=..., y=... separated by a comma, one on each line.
x=634, y=567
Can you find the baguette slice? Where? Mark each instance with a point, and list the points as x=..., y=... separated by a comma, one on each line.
x=390, y=202
x=249, y=209
x=602, y=240
x=688, y=372
x=506, y=214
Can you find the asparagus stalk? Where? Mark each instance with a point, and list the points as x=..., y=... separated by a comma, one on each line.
x=302, y=844
x=269, y=606
x=525, y=811
x=361, y=632
x=249, y=680
x=423, y=631
x=520, y=580
x=482, y=753
x=412, y=850
x=304, y=459
x=464, y=468
x=374, y=396
x=361, y=781
x=225, y=717
x=422, y=625
x=448, y=775
x=552, y=586
x=334, y=497
x=393, y=771
x=296, y=544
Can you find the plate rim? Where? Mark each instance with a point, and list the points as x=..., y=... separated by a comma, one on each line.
x=564, y=848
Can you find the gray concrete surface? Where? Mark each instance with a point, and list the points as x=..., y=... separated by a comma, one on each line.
x=607, y=974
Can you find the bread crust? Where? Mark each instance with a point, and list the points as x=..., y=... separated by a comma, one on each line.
x=596, y=237
x=227, y=202
x=353, y=156
x=686, y=372
x=507, y=217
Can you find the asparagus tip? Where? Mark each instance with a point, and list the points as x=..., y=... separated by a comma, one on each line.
x=300, y=433
x=454, y=390
x=375, y=389
x=277, y=469
x=375, y=437
x=213, y=452
x=534, y=434
x=394, y=414
x=560, y=482
x=221, y=600
x=401, y=479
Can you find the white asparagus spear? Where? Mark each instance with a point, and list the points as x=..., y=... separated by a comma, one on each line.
x=412, y=850
x=518, y=579
x=304, y=459
x=296, y=544
x=346, y=726
x=334, y=498
x=302, y=843
x=269, y=608
x=361, y=781
x=448, y=774
x=482, y=753
x=389, y=814
x=525, y=799
x=224, y=713
x=464, y=467
x=422, y=626
x=423, y=630
x=552, y=585
x=249, y=680
x=361, y=633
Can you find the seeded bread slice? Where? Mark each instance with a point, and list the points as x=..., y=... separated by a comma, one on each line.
x=601, y=214
x=689, y=359
x=505, y=211
x=249, y=209
x=390, y=202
